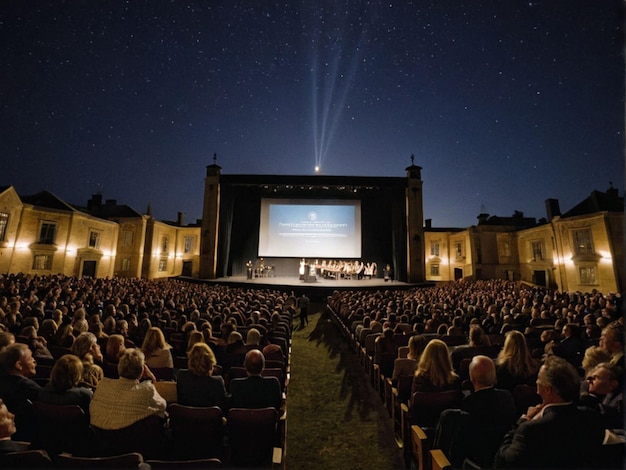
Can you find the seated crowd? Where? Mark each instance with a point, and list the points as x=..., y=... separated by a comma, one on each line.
x=106, y=345
x=503, y=353
x=125, y=338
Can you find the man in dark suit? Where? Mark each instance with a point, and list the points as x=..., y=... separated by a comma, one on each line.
x=255, y=391
x=17, y=390
x=556, y=433
x=476, y=430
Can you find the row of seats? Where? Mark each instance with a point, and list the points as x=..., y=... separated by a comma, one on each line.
x=420, y=411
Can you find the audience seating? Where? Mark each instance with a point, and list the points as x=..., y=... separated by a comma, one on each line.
x=63, y=428
x=146, y=437
x=252, y=437
x=168, y=390
x=128, y=460
x=439, y=460
x=524, y=397
x=197, y=432
x=35, y=458
x=424, y=410
x=184, y=464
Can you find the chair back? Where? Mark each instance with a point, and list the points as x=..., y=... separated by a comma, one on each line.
x=129, y=460
x=63, y=428
x=146, y=437
x=197, y=431
x=168, y=390
x=35, y=458
x=252, y=436
x=386, y=363
x=525, y=396
x=425, y=407
x=403, y=352
x=275, y=372
x=405, y=382
x=163, y=373
x=184, y=464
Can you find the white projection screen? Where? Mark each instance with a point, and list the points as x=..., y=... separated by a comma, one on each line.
x=310, y=228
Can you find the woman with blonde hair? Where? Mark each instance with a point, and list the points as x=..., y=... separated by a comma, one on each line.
x=87, y=349
x=196, y=386
x=514, y=364
x=157, y=351
x=434, y=370
x=194, y=338
x=63, y=387
x=408, y=365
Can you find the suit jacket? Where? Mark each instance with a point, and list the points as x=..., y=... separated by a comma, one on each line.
x=18, y=393
x=564, y=437
x=80, y=396
x=195, y=390
x=255, y=392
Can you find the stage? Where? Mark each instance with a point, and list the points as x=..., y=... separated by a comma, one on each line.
x=317, y=290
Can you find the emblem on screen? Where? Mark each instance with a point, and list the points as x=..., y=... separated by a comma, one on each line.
x=312, y=216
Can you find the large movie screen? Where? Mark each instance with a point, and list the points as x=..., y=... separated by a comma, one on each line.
x=306, y=228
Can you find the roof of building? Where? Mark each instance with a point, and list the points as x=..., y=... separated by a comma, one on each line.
x=598, y=201
x=48, y=200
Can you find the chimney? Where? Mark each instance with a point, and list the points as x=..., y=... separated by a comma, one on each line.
x=429, y=223
x=482, y=218
x=552, y=209
x=180, y=219
x=95, y=202
x=612, y=193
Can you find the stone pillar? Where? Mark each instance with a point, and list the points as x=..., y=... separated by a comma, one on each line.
x=415, y=224
x=210, y=222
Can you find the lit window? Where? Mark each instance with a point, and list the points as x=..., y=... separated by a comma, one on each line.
x=458, y=249
x=537, y=251
x=4, y=222
x=434, y=270
x=188, y=242
x=94, y=239
x=434, y=249
x=127, y=238
x=587, y=275
x=164, y=244
x=47, y=234
x=162, y=264
x=125, y=264
x=42, y=262
x=583, y=242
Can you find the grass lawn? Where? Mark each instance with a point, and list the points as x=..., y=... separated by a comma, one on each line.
x=335, y=420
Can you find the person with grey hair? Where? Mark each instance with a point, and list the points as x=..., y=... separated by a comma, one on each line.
x=119, y=403
x=87, y=349
x=556, y=433
x=17, y=389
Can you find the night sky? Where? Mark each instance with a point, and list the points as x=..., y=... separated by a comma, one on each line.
x=504, y=103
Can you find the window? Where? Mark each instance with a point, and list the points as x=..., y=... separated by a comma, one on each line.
x=582, y=242
x=434, y=270
x=127, y=238
x=587, y=274
x=125, y=265
x=164, y=244
x=94, y=239
x=162, y=264
x=47, y=233
x=434, y=249
x=458, y=249
x=4, y=222
x=188, y=244
x=505, y=248
x=537, y=251
x=42, y=262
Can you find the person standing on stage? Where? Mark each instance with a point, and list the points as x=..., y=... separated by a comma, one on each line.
x=303, y=304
